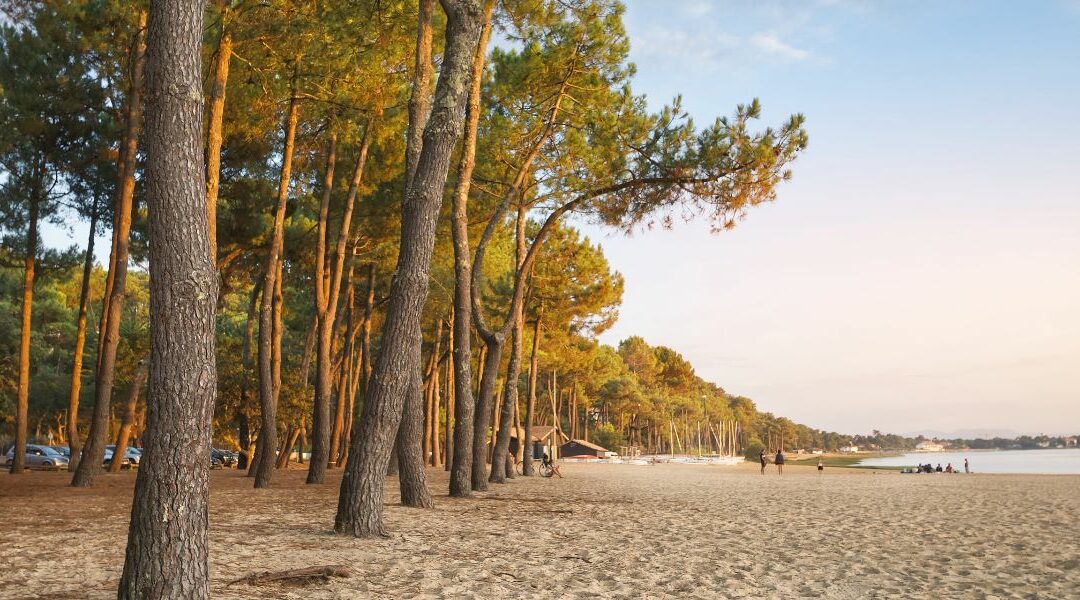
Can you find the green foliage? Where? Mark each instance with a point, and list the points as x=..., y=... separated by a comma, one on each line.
x=607, y=436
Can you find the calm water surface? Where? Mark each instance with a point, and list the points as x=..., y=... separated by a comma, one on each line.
x=1056, y=461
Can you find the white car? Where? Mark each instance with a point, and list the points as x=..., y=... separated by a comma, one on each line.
x=40, y=457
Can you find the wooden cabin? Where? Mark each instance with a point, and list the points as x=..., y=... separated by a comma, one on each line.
x=545, y=439
x=583, y=448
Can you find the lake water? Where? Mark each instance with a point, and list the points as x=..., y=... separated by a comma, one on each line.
x=1055, y=461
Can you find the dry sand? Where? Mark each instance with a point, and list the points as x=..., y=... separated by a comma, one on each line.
x=605, y=531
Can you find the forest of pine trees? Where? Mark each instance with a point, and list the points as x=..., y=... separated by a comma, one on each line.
x=346, y=228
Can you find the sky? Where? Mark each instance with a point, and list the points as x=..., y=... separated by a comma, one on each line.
x=921, y=272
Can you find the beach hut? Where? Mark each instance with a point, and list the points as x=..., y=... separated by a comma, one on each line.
x=575, y=448
x=545, y=439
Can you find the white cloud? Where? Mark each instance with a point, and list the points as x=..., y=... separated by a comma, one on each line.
x=771, y=44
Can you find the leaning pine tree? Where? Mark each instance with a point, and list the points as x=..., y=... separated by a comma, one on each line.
x=360, y=504
x=167, y=546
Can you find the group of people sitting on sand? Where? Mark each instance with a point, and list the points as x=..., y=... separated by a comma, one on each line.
x=928, y=468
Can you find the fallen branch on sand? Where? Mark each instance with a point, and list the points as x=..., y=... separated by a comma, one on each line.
x=303, y=576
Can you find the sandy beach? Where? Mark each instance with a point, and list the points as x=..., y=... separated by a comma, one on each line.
x=605, y=531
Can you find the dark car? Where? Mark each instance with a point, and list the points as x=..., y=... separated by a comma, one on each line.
x=225, y=457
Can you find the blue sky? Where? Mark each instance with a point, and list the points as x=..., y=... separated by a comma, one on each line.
x=922, y=270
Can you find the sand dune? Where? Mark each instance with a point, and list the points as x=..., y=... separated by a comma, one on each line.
x=605, y=531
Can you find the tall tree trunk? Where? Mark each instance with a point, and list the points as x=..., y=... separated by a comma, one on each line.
x=448, y=449
x=460, y=450
x=291, y=436
x=412, y=479
x=110, y=335
x=365, y=336
x=485, y=402
x=436, y=458
x=74, y=440
x=127, y=420
x=341, y=415
x=407, y=442
x=499, y=472
x=527, y=467
x=246, y=459
x=360, y=504
x=23, y=399
x=327, y=310
x=322, y=376
x=215, y=124
x=167, y=549
x=267, y=398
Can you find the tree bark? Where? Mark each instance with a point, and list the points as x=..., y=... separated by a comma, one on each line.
x=341, y=414
x=499, y=472
x=267, y=398
x=322, y=376
x=99, y=424
x=360, y=504
x=448, y=450
x=460, y=449
x=247, y=459
x=436, y=458
x=127, y=421
x=527, y=467
x=485, y=402
x=74, y=440
x=215, y=125
x=167, y=550
x=327, y=309
x=23, y=399
x=407, y=443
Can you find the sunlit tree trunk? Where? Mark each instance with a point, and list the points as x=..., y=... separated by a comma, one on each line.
x=448, y=449
x=216, y=121
x=327, y=311
x=499, y=472
x=247, y=458
x=341, y=413
x=397, y=369
x=527, y=467
x=127, y=419
x=22, y=403
x=167, y=549
x=73, y=438
x=110, y=335
x=267, y=397
x=436, y=455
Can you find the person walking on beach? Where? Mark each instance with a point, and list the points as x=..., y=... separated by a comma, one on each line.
x=967, y=469
x=779, y=460
x=820, y=466
x=761, y=457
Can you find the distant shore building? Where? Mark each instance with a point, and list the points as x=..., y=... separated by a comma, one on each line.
x=852, y=449
x=929, y=446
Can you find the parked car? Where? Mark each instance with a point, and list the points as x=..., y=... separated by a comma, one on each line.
x=215, y=460
x=132, y=454
x=125, y=461
x=66, y=451
x=228, y=459
x=39, y=457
